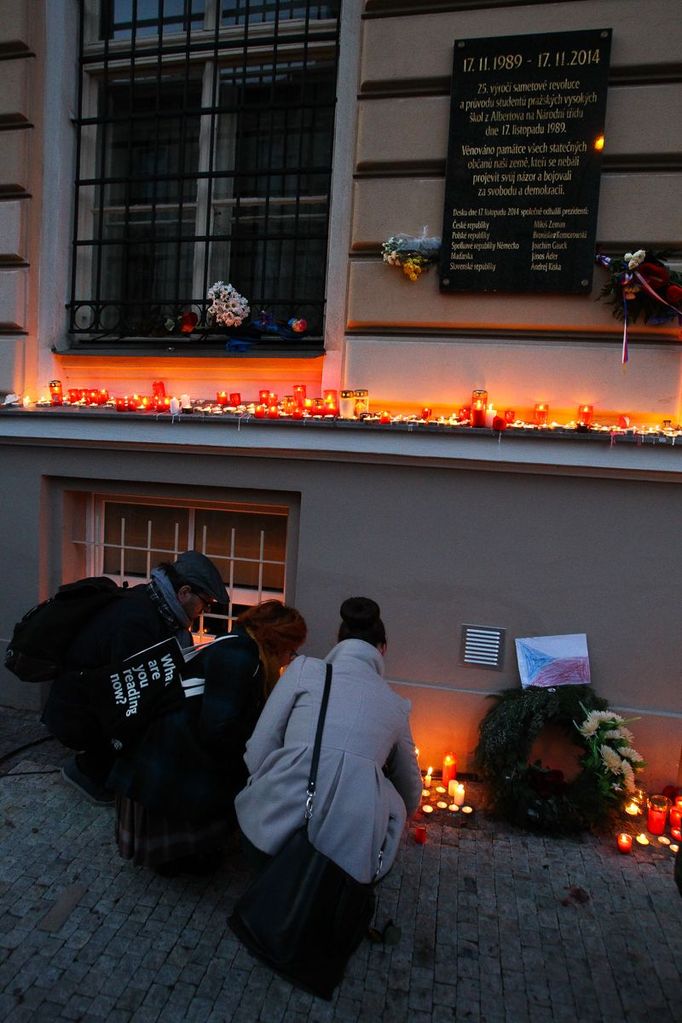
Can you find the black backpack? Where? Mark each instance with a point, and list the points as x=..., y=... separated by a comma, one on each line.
x=42, y=638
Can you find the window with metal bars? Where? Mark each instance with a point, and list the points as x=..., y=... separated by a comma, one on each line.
x=125, y=539
x=204, y=154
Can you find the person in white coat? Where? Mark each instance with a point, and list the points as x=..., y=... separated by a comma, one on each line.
x=368, y=780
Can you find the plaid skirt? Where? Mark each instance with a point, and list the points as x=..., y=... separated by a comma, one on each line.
x=150, y=839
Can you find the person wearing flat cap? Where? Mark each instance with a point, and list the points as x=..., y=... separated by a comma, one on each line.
x=146, y=614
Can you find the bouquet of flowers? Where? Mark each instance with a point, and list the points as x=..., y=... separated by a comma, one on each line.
x=610, y=755
x=228, y=307
x=412, y=255
x=641, y=284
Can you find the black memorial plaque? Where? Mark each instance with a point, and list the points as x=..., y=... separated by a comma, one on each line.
x=524, y=162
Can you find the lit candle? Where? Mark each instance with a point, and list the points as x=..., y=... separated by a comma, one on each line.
x=674, y=847
x=490, y=414
x=453, y=808
x=452, y=786
x=347, y=404
x=624, y=842
x=585, y=413
x=158, y=389
x=459, y=794
x=441, y=804
x=427, y=778
x=56, y=396
x=260, y=411
x=676, y=816
x=75, y=394
x=633, y=809
x=420, y=834
x=299, y=394
x=677, y=834
x=467, y=809
x=541, y=413
x=664, y=840
x=174, y=406
x=441, y=789
x=102, y=396
x=657, y=813
x=235, y=398
x=385, y=417
x=331, y=400
x=263, y=396
x=122, y=404
x=427, y=809
x=642, y=839
x=273, y=412
x=426, y=413
x=426, y=792
x=449, y=769
x=478, y=414
x=509, y=415
x=221, y=398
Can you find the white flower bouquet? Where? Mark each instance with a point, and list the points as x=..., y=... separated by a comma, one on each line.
x=610, y=753
x=228, y=307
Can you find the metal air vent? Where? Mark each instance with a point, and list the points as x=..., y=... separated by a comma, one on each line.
x=482, y=647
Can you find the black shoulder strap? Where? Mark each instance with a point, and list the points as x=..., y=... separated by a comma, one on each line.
x=318, y=742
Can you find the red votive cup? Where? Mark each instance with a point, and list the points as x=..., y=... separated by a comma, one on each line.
x=657, y=814
x=509, y=415
x=585, y=414
x=261, y=411
x=56, y=394
x=102, y=396
x=426, y=413
x=541, y=413
x=221, y=398
x=273, y=412
x=624, y=842
x=122, y=404
x=477, y=414
x=299, y=394
x=75, y=394
x=235, y=398
x=420, y=834
x=158, y=389
x=263, y=396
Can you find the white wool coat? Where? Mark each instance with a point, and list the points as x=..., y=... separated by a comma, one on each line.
x=368, y=779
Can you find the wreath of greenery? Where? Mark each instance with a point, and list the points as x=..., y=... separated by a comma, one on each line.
x=535, y=797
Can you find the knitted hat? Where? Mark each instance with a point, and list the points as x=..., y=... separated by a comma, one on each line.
x=198, y=571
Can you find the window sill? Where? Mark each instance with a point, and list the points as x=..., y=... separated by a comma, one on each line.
x=179, y=347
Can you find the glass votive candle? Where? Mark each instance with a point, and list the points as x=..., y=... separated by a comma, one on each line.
x=624, y=842
x=235, y=398
x=331, y=399
x=541, y=413
x=384, y=417
x=426, y=413
x=158, y=389
x=657, y=814
x=102, y=396
x=420, y=834
x=264, y=396
x=299, y=394
x=260, y=411
x=510, y=415
x=479, y=403
x=56, y=394
x=74, y=394
x=449, y=769
x=273, y=412
x=585, y=414
x=221, y=398
x=121, y=404
x=675, y=816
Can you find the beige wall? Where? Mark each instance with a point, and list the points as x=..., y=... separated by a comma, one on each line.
x=409, y=343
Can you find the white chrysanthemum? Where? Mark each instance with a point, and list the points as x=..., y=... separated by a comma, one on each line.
x=628, y=776
x=613, y=733
x=633, y=259
x=595, y=719
x=631, y=754
x=627, y=734
x=611, y=760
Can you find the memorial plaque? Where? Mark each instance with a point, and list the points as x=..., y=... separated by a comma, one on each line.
x=524, y=162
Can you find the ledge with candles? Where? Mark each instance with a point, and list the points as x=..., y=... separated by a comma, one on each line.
x=351, y=408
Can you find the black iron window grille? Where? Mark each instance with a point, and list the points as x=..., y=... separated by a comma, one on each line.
x=204, y=154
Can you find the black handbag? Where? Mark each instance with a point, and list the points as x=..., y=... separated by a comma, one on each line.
x=303, y=915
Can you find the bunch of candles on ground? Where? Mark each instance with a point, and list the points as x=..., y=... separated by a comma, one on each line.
x=661, y=813
x=443, y=794
x=346, y=404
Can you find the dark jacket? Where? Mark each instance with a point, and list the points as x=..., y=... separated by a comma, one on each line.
x=130, y=623
x=189, y=763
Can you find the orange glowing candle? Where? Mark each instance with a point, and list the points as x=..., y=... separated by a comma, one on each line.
x=624, y=842
x=427, y=778
x=449, y=768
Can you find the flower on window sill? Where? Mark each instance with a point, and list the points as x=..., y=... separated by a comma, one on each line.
x=413, y=255
x=228, y=308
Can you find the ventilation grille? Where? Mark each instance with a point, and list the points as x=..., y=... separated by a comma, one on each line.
x=482, y=647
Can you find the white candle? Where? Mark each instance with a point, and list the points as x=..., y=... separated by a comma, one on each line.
x=427, y=809
x=452, y=786
x=439, y=788
x=427, y=778
x=441, y=804
x=184, y=401
x=490, y=414
x=459, y=794
x=453, y=807
x=174, y=406
x=467, y=809
x=642, y=839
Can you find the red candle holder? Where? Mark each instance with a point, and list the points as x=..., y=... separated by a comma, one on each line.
x=122, y=404
x=221, y=398
x=299, y=394
x=479, y=402
x=624, y=842
x=74, y=394
x=264, y=396
x=657, y=814
x=385, y=417
x=260, y=411
x=158, y=389
x=541, y=413
x=235, y=398
x=273, y=412
x=420, y=834
x=56, y=393
x=449, y=768
x=297, y=413
x=426, y=413
x=510, y=415
x=585, y=414
x=675, y=815
x=93, y=397
x=102, y=396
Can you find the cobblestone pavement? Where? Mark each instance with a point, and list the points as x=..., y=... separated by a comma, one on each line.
x=498, y=926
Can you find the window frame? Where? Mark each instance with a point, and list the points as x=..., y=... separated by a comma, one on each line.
x=211, y=51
